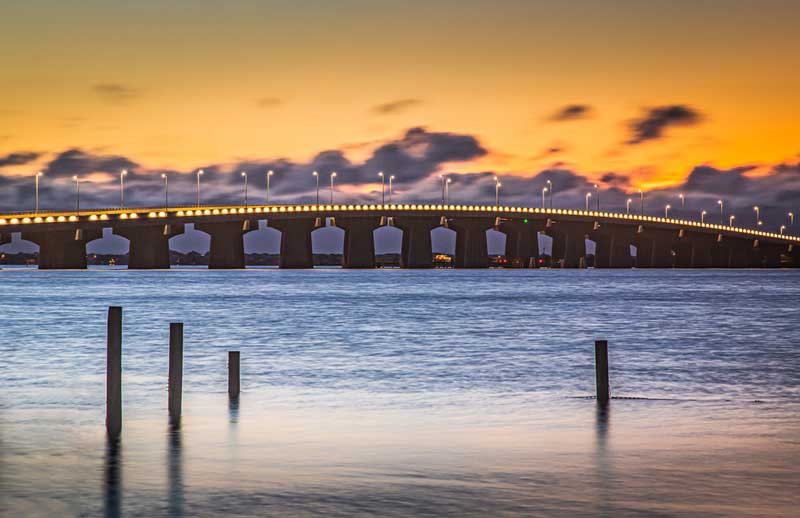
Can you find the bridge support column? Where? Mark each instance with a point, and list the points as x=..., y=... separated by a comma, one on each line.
x=359, y=241
x=296, y=250
x=612, y=248
x=794, y=252
x=522, y=242
x=569, y=243
x=654, y=248
x=694, y=250
x=471, y=248
x=63, y=249
x=769, y=255
x=5, y=238
x=227, y=242
x=148, y=245
x=417, y=249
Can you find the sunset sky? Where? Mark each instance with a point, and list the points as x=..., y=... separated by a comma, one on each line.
x=627, y=94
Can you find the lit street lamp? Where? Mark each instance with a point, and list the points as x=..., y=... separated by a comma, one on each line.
x=77, y=195
x=550, y=190
x=122, y=175
x=447, y=190
x=37, y=190
x=641, y=198
x=391, y=179
x=244, y=175
x=383, y=190
x=166, y=190
x=628, y=206
x=333, y=175
x=730, y=220
x=758, y=214
x=588, y=195
x=496, y=192
x=597, y=196
x=269, y=174
x=783, y=227
x=666, y=211
x=544, y=191
x=791, y=219
x=199, y=174
x=442, y=178
x=316, y=175
x=683, y=201
x=721, y=209
x=703, y=217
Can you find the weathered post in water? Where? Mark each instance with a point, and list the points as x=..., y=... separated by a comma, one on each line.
x=601, y=370
x=233, y=374
x=175, y=370
x=114, y=373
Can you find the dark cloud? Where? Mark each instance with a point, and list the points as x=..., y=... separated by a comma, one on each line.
x=616, y=179
x=571, y=112
x=652, y=124
x=395, y=106
x=269, y=102
x=19, y=158
x=116, y=93
x=78, y=162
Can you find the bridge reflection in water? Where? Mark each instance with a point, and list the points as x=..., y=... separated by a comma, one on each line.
x=659, y=242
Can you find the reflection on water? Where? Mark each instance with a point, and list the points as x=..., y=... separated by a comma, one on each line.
x=404, y=393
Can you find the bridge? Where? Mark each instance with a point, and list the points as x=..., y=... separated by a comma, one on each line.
x=659, y=242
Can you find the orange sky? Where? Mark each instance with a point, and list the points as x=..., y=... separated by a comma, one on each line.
x=182, y=84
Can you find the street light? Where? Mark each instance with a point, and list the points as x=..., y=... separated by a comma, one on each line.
x=333, y=175
x=791, y=219
x=597, y=196
x=383, y=190
x=641, y=198
x=269, y=174
x=316, y=175
x=122, y=175
x=730, y=220
x=544, y=191
x=683, y=201
x=666, y=211
x=37, y=190
x=628, y=206
x=783, y=227
x=588, y=195
x=721, y=208
x=391, y=178
x=166, y=190
x=199, y=174
x=496, y=192
x=244, y=175
x=447, y=190
x=550, y=190
x=442, y=178
x=758, y=214
x=77, y=195
x=703, y=217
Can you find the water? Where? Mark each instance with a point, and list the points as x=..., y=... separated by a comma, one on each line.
x=405, y=393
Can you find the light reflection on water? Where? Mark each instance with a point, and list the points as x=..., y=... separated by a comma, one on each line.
x=400, y=393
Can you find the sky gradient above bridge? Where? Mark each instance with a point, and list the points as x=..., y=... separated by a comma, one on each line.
x=696, y=98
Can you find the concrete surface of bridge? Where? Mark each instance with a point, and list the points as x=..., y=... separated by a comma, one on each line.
x=659, y=242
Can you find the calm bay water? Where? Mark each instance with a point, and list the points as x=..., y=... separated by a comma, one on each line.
x=405, y=393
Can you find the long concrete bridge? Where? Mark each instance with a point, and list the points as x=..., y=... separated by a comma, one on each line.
x=659, y=242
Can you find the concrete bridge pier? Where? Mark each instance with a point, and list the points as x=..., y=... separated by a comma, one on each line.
x=148, y=245
x=769, y=255
x=359, y=240
x=522, y=242
x=417, y=249
x=227, y=242
x=792, y=251
x=741, y=253
x=472, y=250
x=654, y=248
x=4, y=238
x=695, y=250
x=612, y=247
x=296, y=250
x=569, y=242
x=63, y=249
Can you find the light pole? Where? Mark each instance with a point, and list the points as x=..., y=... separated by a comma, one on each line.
x=166, y=190
x=77, y=195
x=666, y=211
x=441, y=177
x=588, y=195
x=333, y=175
x=269, y=174
x=496, y=192
x=641, y=198
x=37, y=190
x=703, y=217
x=597, y=196
x=244, y=175
x=783, y=227
x=758, y=214
x=122, y=175
x=447, y=190
x=391, y=179
x=730, y=220
x=383, y=189
x=628, y=206
x=721, y=210
x=683, y=201
x=316, y=175
x=550, y=190
x=199, y=174
x=791, y=219
x=544, y=191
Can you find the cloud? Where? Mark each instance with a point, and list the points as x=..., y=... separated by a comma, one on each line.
x=571, y=112
x=397, y=106
x=79, y=162
x=269, y=102
x=655, y=121
x=616, y=179
x=115, y=93
x=19, y=158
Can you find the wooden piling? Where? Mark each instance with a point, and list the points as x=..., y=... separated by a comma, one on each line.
x=233, y=374
x=175, y=370
x=114, y=373
x=601, y=370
